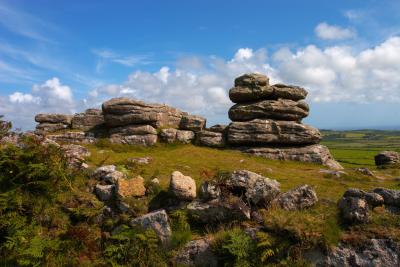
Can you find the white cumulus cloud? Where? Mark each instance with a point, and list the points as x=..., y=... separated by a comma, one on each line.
x=333, y=32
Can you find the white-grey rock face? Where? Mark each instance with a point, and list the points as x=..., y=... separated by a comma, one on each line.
x=182, y=187
x=210, y=139
x=158, y=221
x=257, y=189
x=172, y=135
x=192, y=123
x=297, y=199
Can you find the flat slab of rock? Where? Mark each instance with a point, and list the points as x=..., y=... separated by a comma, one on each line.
x=182, y=187
x=297, y=199
x=133, y=130
x=192, y=123
x=131, y=187
x=218, y=128
x=141, y=140
x=53, y=118
x=281, y=109
x=264, y=132
x=125, y=111
x=210, y=139
x=257, y=188
x=318, y=154
x=46, y=127
x=387, y=158
x=72, y=137
x=158, y=221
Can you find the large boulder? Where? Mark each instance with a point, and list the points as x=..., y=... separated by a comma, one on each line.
x=172, y=135
x=133, y=130
x=373, y=199
x=391, y=197
x=387, y=158
x=91, y=119
x=219, y=210
x=196, y=253
x=125, y=111
x=299, y=198
x=158, y=221
x=353, y=210
x=373, y=252
x=53, y=118
x=45, y=127
x=192, y=123
x=281, y=109
x=264, y=132
x=218, y=128
x=75, y=154
x=182, y=187
x=256, y=188
x=318, y=154
x=210, y=139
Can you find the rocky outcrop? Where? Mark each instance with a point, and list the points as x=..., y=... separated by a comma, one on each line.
x=75, y=155
x=373, y=252
x=52, y=123
x=182, y=187
x=390, y=197
x=72, y=137
x=267, y=120
x=297, y=199
x=387, y=158
x=124, y=111
x=158, y=221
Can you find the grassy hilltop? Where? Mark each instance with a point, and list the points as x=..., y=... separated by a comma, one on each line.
x=52, y=221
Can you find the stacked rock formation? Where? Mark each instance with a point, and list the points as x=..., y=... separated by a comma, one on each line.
x=52, y=122
x=267, y=122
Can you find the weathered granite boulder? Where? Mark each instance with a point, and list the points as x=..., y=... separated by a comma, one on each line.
x=192, y=123
x=104, y=192
x=172, y=135
x=210, y=139
x=108, y=174
x=125, y=111
x=391, y=197
x=251, y=87
x=266, y=132
x=53, y=118
x=353, y=210
x=219, y=210
x=387, y=158
x=218, y=128
x=318, y=154
x=197, y=253
x=158, y=221
x=373, y=199
x=142, y=140
x=372, y=253
x=256, y=188
x=281, y=109
x=91, y=119
x=182, y=187
x=130, y=187
x=299, y=198
x=133, y=130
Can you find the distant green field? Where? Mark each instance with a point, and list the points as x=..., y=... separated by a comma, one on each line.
x=358, y=148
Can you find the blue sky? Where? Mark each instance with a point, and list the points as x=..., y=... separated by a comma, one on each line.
x=65, y=56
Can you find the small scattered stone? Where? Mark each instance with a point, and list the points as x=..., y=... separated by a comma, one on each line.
x=131, y=187
x=299, y=198
x=158, y=221
x=104, y=192
x=181, y=186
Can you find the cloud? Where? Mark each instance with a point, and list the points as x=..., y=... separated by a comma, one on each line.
x=106, y=56
x=332, y=32
x=49, y=97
